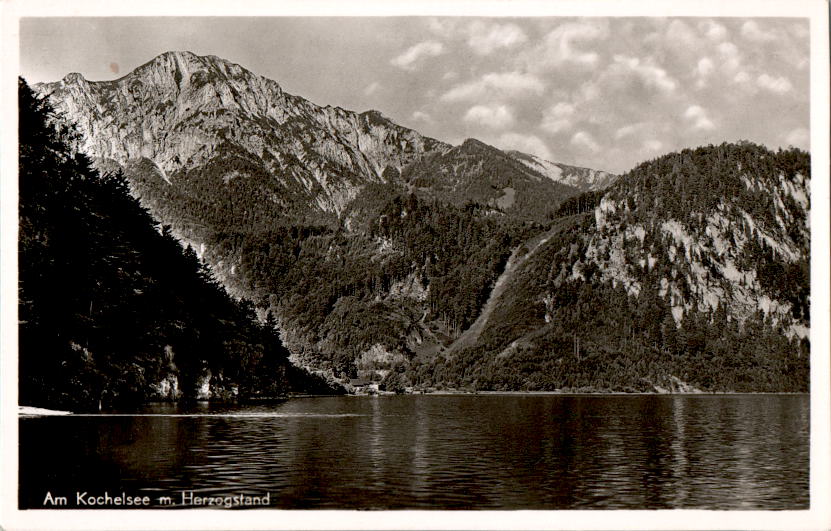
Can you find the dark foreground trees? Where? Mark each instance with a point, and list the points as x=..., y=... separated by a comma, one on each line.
x=112, y=309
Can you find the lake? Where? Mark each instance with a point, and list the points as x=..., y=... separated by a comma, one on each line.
x=436, y=452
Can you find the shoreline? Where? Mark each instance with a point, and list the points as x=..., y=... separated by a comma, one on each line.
x=31, y=411
x=598, y=393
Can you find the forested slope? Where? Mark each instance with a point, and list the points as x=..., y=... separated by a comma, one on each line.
x=112, y=309
x=692, y=272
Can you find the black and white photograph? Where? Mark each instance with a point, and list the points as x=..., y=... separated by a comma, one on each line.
x=416, y=268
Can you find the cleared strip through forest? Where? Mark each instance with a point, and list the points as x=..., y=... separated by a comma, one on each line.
x=469, y=337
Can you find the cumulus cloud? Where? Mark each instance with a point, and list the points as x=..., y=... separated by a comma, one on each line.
x=777, y=85
x=487, y=37
x=703, y=70
x=507, y=84
x=421, y=116
x=650, y=74
x=730, y=57
x=495, y=117
x=569, y=43
x=445, y=27
x=698, y=116
x=753, y=32
x=525, y=143
x=713, y=30
x=642, y=86
x=681, y=33
x=557, y=118
x=409, y=59
x=653, y=145
x=628, y=130
x=585, y=141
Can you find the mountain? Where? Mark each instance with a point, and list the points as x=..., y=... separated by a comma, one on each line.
x=584, y=179
x=387, y=254
x=690, y=272
x=243, y=171
x=194, y=122
x=113, y=311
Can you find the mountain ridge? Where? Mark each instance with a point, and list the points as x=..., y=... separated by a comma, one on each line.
x=377, y=248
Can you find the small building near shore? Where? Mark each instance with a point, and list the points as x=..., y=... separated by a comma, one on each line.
x=363, y=385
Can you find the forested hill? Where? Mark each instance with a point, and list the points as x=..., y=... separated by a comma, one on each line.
x=690, y=273
x=112, y=309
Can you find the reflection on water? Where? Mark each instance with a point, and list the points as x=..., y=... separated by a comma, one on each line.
x=442, y=452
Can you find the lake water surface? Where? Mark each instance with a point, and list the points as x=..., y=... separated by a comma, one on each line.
x=437, y=452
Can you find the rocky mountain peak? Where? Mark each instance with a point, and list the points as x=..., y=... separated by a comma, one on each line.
x=74, y=77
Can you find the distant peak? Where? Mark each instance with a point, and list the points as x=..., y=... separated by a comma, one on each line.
x=472, y=143
x=375, y=117
x=73, y=77
x=182, y=53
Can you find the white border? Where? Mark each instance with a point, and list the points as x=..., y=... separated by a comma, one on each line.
x=818, y=517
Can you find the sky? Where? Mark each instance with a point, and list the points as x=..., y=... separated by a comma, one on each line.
x=605, y=93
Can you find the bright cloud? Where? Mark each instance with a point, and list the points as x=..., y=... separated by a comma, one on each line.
x=422, y=117
x=713, y=30
x=570, y=43
x=653, y=145
x=585, y=141
x=730, y=56
x=415, y=53
x=651, y=75
x=627, y=130
x=488, y=37
x=609, y=93
x=698, y=116
x=504, y=84
x=495, y=117
x=778, y=85
x=558, y=117
x=753, y=32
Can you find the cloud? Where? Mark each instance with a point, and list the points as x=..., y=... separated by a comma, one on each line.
x=586, y=141
x=651, y=75
x=679, y=33
x=703, y=70
x=628, y=130
x=698, y=116
x=413, y=54
x=525, y=143
x=557, y=118
x=777, y=85
x=495, y=117
x=653, y=145
x=508, y=84
x=421, y=116
x=799, y=137
x=372, y=88
x=753, y=32
x=713, y=30
x=567, y=43
x=730, y=57
x=486, y=37
x=445, y=27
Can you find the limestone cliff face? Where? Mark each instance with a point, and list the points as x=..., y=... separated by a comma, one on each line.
x=722, y=228
x=182, y=111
